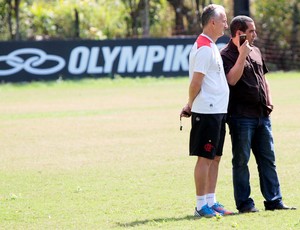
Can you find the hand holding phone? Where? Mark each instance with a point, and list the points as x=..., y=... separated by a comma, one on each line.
x=242, y=39
x=186, y=111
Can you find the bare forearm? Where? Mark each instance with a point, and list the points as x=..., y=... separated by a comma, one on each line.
x=269, y=97
x=195, y=87
x=235, y=73
x=193, y=92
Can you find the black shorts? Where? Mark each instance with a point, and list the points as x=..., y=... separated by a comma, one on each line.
x=207, y=135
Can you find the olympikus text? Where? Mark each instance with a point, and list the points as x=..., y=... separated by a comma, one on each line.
x=97, y=60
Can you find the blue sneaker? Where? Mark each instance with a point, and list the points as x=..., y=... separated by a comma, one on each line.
x=205, y=211
x=217, y=207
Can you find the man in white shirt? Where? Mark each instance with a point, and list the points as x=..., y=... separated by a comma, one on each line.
x=207, y=106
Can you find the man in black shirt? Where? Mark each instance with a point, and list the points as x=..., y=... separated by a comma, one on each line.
x=248, y=118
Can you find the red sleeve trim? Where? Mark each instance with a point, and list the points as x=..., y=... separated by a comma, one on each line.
x=203, y=41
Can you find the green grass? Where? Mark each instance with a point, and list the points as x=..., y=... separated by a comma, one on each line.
x=108, y=154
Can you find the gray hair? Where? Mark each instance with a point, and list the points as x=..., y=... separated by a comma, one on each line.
x=211, y=11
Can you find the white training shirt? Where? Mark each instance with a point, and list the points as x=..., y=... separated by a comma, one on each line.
x=214, y=94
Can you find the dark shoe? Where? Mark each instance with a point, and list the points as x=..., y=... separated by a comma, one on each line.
x=280, y=206
x=249, y=210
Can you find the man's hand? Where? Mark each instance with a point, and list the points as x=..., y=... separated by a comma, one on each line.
x=245, y=49
x=186, y=111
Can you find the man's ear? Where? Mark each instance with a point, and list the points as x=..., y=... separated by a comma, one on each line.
x=213, y=21
x=239, y=32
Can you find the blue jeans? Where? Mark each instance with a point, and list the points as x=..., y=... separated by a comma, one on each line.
x=253, y=134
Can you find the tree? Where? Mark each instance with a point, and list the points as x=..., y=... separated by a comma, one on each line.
x=141, y=16
x=145, y=17
x=135, y=7
x=9, y=18
x=13, y=12
x=188, y=16
x=277, y=26
x=16, y=9
x=295, y=35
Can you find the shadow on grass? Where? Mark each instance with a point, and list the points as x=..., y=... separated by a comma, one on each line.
x=156, y=220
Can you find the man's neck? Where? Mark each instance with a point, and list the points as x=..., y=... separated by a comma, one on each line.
x=210, y=34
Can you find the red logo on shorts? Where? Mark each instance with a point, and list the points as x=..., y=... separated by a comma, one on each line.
x=208, y=147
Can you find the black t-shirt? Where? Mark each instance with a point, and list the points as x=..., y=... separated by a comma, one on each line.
x=248, y=97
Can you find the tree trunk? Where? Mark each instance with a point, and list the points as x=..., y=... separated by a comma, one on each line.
x=179, y=25
x=145, y=18
x=77, y=32
x=295, y=41
x=10, y=9
x=17, y=35
x=134, y=18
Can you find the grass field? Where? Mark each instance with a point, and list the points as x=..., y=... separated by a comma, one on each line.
x=108, y=154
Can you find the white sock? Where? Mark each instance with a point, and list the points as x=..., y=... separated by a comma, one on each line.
x=201, y=201
x=211, y=199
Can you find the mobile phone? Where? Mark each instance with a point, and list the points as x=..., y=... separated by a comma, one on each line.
x=186, y=113
x=242, y=38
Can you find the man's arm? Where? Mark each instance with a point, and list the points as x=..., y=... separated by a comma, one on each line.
x=235, y=73
x=195, y=87
x=269, y=97
x=194, y=90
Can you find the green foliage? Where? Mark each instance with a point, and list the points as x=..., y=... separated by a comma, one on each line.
x=3, y=9
x=47, y=21
x=278, y=29
x=57, y=20
x=274, y=18
x=161, y=20
x=277, y=22
x=4, y=31
x=98, y=19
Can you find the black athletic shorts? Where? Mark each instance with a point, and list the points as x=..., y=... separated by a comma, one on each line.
x=207, y=135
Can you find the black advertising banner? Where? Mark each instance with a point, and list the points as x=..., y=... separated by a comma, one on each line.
x=50, y=60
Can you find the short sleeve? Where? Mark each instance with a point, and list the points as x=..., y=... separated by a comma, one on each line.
x=227, y=64
x=203, y=60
